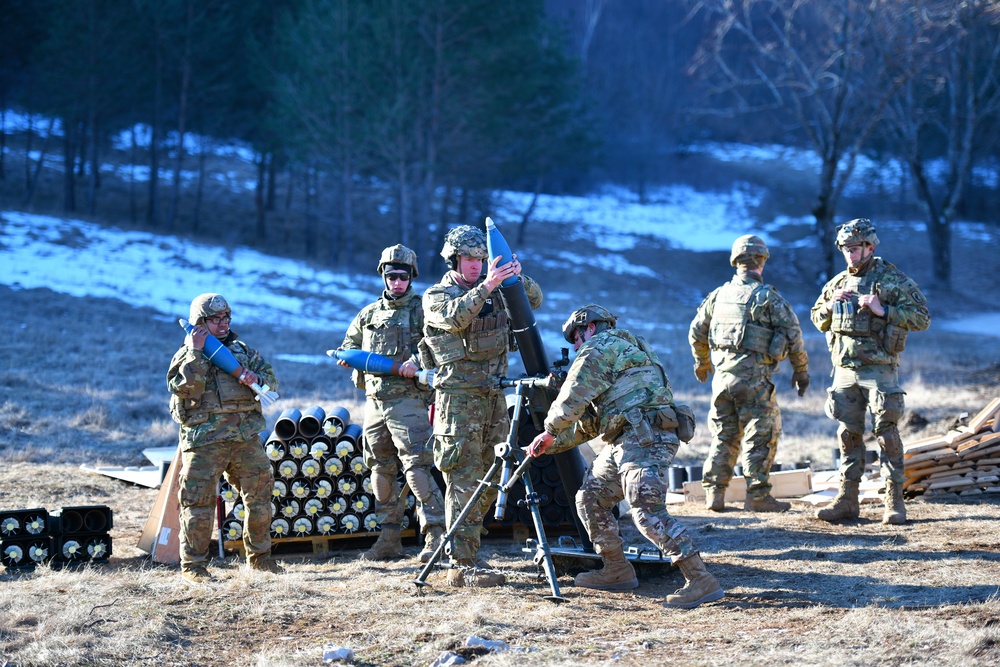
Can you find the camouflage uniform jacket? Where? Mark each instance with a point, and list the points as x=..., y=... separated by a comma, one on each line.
x=857, y=337
x=392, y=328
x=769, y=330
x=467, y=332
x=211, y=405
x=613, y=373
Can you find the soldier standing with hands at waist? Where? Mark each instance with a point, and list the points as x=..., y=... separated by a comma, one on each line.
x=867, y=312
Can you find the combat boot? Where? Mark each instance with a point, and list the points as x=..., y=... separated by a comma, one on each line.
x=196, y=573
x=616, y=575
x=767, y=503
x=432, y=538
x=895, y=509
x=264, y=563
x=700, y=585
x=844, y=506
x=715, y=498
x=465, y=573
x=388, y=546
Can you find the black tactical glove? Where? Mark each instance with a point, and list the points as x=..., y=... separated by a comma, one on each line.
x=702, y=370
x=800, y=381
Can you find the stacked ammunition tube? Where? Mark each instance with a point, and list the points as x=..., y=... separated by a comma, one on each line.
x=71, y=535
x=322, y=487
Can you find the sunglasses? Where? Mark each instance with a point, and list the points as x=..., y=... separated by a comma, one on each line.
x=219, y=319
x=392, y=277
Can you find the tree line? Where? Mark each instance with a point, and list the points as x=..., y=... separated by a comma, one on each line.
x=400, y=117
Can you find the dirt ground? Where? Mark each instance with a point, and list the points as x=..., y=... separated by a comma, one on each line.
x=798, y=591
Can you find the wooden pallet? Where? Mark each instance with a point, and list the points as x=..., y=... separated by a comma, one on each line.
x=321, y=544
x=963, y=461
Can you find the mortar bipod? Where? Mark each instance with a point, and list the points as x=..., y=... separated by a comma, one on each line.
x=514, y=464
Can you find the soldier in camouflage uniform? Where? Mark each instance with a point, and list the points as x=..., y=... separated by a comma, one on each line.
x=867, y=312
x=397, y=431
x=220, y=425
x=744, y=328
x=467, y=335
x=617, y=389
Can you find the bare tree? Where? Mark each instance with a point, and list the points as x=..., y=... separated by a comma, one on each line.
x=814, y=66
x=945, y=113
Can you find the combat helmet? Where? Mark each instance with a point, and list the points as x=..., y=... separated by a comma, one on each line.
x=208, y=305
x=581, y=317
x=747, y=246
x=400, y=256
x=465, y=240
x=859, y=230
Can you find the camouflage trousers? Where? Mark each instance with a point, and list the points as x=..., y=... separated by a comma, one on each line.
x=855, y=392
x=467, y=426
x=628, y=471
x=247, y=468
x=744, y=417
x=397, y=435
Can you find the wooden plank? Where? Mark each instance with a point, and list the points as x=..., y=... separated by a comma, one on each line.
x=942, y=459
x=955, y=437
x=784, y=484
x=980, y=443
x=924, y=445
x=987, y=413
x=952, y=484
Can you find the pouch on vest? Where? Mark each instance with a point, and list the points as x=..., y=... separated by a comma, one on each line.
x=894, y=340
x=640, y=427
x=358, y=377
x=384, y=340
x=686, y=423
x=756, y=338
x=424, y=355
x=666, y=418
x=446, y=347
x=182, y=415
x=778, y=349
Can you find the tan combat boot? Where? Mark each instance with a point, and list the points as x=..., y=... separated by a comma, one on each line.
x=616, y=575
x=388, y=545
x=844, y=506
x=465, y=573
x=715, y=498
x=196, y=573
x=432, y=538
x=895, y=510
x=264, y=563
x=700, y=587
x=767, y=503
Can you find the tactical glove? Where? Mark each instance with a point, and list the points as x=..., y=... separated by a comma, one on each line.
x=703, y=369
x=800, y=381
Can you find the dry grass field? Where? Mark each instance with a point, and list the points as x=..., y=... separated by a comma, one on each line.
x=84, y=384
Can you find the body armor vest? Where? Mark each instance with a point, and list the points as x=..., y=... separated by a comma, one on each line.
x=223, y=395
x=486, y=338
x=731, y=328
x=848, y=319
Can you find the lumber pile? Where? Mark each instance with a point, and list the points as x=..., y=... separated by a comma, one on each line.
x=963, y=461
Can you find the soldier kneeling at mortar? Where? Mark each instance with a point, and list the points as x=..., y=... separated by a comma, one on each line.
x=617, y=389
x=220, y=423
